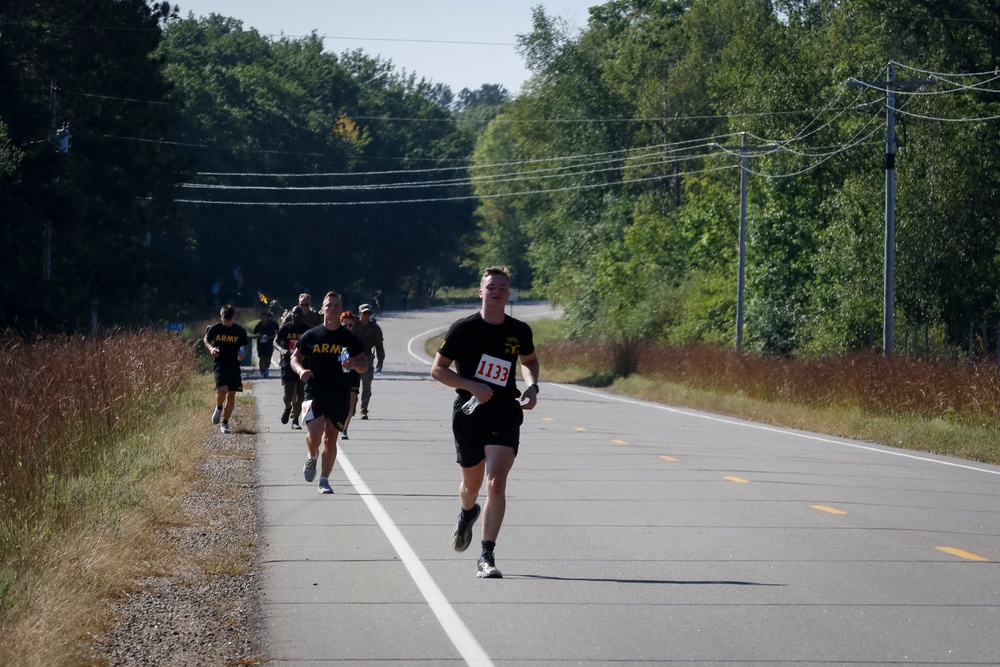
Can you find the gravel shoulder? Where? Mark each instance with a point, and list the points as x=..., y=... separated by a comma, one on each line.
x=205, y=610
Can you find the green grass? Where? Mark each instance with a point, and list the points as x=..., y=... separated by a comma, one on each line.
x=928, y=405
x=919, y=404
x=88, y=465
x=109, y=533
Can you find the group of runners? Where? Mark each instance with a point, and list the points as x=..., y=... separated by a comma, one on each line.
x=327, y=364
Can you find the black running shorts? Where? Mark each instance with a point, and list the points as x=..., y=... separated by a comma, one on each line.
x=334, y=408
x=228, y=376
x=497, y=424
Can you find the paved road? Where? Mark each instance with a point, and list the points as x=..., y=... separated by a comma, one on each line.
x=636, y=534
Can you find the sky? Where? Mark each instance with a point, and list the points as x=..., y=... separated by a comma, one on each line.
x=460, y=43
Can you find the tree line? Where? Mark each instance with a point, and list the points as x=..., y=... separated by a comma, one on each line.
x=206, y=162
x=151, y=162
x=628, y=140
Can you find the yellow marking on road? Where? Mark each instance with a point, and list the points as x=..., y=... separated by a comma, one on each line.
x=620, y=442
x=968, y=555
x=668, y=458
x=548, y=419
x=824, y=508
x=579, y=428
x=738, y=480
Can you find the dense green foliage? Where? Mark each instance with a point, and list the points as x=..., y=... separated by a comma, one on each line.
x=208, y=163
x=314, y=136
x=165, y=111
x=627, y=139
x=110, y=193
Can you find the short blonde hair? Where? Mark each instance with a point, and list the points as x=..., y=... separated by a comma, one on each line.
x=496, y=270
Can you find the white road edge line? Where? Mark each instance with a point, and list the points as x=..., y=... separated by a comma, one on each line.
x=460, y=636
x=772, y=429
x=421, y=357
x=723, y=420
x=421, y=337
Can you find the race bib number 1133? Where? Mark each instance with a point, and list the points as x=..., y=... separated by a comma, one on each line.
x=493, y=370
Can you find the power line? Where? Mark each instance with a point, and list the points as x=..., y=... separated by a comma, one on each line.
x=460, y=198
x=562, y=172
x=63, y=91
x=400, y=39
x=478, y=180
x=933, y=73
x=948, y=120
x=652, y=119
x=679, y=145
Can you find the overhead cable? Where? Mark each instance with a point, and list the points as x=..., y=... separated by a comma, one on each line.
x=461, y=198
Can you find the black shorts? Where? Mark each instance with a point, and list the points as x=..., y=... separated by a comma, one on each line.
x=497, y=424
x=333, y=407
x=229, y=376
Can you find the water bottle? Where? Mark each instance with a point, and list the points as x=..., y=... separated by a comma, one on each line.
x=471, y=405
x=344, y=356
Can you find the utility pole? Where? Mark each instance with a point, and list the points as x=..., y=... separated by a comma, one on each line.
x=59, y=138
x=744, y=153
x=889, y=275
x=47, y=248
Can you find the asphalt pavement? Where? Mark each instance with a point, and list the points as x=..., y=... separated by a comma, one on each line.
x=635, y=534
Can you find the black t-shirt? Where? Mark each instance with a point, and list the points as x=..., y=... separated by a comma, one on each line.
x=287, y=339
x=321, y=350
x=488, y=352
x=265, y=332
x=229, y=340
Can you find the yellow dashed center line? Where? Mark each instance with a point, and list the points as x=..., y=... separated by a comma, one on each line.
x=579, y=428
x=620, y=442
x=548, y=419
x=968, y=555
x=824, y=508
x=668, y=458
x=738, y=480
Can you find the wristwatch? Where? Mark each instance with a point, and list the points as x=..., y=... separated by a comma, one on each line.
x=533, y=386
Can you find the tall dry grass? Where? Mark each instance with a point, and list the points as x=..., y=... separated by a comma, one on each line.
x=70, y=402
x=898, y=387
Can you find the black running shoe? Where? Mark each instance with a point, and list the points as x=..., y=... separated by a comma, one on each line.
x=487, y=567
x=462, y=538
x=284, y=415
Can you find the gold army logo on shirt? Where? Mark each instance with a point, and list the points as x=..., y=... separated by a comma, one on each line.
x=227, y=338
x=327, y=348
x=512, y=346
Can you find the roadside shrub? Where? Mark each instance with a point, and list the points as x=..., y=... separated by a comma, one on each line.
x=896, y=387
x=68, y=401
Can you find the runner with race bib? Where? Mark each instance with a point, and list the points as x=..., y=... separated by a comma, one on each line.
x=488, y=409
